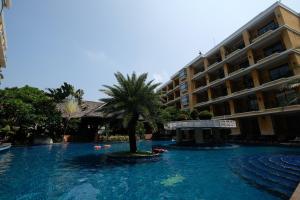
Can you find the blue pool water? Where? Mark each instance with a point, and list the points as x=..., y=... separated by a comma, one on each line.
x=77, y=171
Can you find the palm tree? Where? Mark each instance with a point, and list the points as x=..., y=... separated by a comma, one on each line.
x=70, y=107
x=130, y=100
x=64, y=91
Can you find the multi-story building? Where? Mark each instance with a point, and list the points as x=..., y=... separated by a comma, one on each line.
x=242, y=77
x=3, y=46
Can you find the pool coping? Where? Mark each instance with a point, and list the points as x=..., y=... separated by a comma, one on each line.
x=296, y=193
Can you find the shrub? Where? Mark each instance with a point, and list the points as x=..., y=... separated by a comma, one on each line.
x=114, y=138
x=194, y=115
x=205, y=115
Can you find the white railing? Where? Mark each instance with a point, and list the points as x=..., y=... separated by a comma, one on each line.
x=233, y=53
x=201, y=124
x=266, y=58
x=263, y=35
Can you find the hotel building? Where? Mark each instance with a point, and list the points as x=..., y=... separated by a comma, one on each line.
x=242, y=78
x=3, y=45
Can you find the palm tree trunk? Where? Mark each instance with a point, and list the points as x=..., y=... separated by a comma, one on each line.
x=132, y=142
x=131, y=133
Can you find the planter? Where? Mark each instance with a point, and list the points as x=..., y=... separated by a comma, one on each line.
x=127, y=157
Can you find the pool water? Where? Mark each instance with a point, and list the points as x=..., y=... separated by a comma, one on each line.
x=77, y=171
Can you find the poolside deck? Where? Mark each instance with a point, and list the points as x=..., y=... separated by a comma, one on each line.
x=296, y=194
x=5, y=146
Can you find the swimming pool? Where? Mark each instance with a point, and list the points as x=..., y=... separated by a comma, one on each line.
x=77, y=171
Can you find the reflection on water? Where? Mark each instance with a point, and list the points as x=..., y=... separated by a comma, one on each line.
x=5, y=161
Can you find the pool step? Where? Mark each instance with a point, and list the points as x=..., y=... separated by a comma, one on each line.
x=277, y=174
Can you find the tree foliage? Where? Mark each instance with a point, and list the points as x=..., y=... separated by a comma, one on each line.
x=27, y=111
x=205, y=115
x=131, y=99
x=65, y=91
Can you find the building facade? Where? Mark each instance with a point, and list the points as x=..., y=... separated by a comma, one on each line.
x=242, y=78
x=3, y=44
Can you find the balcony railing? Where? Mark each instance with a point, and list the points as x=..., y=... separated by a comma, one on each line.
x=233, y=53
x=213, y=65
x=266, y=58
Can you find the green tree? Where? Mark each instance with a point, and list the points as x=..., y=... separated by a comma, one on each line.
x=65, y=91
x=27, y=111
x=131, y=99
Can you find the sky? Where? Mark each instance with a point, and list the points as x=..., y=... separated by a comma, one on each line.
x=85, y=42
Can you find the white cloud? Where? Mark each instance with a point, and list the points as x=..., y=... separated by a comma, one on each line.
x=161, y=77
x=95, y=56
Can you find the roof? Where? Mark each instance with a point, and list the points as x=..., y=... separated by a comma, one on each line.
x=87, y=109
x=238, y=32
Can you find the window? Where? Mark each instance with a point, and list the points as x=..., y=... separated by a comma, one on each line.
x=182, y=73
x=244, y=64
x=287, y=98
x=248, y=81
x=278, y=47
x=220, y=73
x=185, y=100
x=270, y=26
x=280, y=72
x=183, y=86
x=252, y=103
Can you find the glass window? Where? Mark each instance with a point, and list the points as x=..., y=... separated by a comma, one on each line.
x=278, y=47
x=270, y=26
x=183, y=86
x=244, y=64
x=253, y=103
x=287, y=98
x=248, y=81
x=185, y=100
x=182, y=73
x=280, y=72
x=220, y=73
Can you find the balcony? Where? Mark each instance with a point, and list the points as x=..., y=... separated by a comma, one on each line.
x=265, y=31
x=260, y=60
x=173, y=100
x=245, y=92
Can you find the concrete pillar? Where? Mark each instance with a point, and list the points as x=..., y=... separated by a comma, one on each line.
x=260, y=100
x=178, y=136
x=209, y=94
x=223, y=52
x=231, y=106
x=207, y=79
x=237, y=130
x=294, y=63
x=246, y=37
x=199, y=139
x=266, y=125
x=250, y=56
x=228, y=86
x=226, y=66
x=206, y=63
x=255, y=77
x=285, y=17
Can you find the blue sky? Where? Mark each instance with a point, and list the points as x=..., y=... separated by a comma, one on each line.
x=85, y=42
